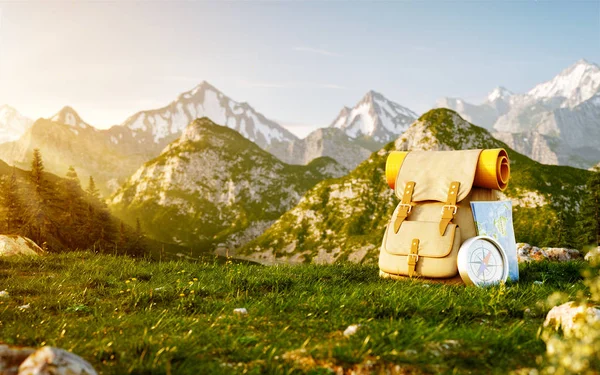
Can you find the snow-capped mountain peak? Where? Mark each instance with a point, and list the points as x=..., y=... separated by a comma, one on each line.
x=575, y=84
x=499, y=93
x=376, y=117
x=205, y=100
x=12, y=124
x=69, y=116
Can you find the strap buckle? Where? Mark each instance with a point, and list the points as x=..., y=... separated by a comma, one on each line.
x=406, y=205
x=454, y=207
x=413, y=255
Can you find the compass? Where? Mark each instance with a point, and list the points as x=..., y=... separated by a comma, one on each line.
x=482, y=262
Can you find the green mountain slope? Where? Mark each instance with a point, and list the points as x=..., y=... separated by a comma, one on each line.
x=344, y=218
x=214, y=188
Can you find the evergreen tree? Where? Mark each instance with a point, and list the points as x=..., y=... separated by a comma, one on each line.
x=37, y=220
x=13, y=206
x=99, y=226
x=73, y=218
x=588, y=225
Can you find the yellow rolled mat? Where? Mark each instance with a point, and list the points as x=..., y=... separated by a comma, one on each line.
x=493, y=168
x=392, y=166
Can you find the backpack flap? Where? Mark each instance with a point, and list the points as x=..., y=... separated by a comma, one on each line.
x=433, y=172
x=417, y=249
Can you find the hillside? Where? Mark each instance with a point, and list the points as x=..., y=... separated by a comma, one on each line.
x=344, y=218
x=214, y=187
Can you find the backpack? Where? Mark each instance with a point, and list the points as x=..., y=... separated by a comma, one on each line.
x=434, y=217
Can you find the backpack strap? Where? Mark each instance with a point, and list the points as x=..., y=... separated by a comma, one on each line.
x=405, y=205
x=413, y=257
x=450, y=208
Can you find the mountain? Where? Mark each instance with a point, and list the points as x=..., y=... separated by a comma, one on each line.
x=12, y=124
x=213, y=186
x=331, y=142
x=90, y=151
x=68, y=116
x=560, y=116
x=344, y=218
x=113, y=154
x=486, y=114
x=374, y=119
x=166, y=124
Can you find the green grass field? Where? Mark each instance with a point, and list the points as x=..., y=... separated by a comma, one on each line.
x=139, y=317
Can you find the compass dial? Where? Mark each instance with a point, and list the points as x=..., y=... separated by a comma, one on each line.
x=482, y=261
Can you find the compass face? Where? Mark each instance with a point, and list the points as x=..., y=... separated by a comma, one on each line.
x=481, y=261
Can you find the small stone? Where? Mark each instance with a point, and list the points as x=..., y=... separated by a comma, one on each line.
x=571, y=318
x=11, y=358
x=351, y=330
x=54, y=361
x=593, y=254
x=24, y=307
x=240, y=311
x=4, y=294
x=538, y=282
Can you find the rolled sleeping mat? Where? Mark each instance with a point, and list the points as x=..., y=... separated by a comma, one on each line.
x=492, y=172
x=392, y=166
x=493, y=169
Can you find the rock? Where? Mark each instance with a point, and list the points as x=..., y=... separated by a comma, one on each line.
x=240, y=311
x=593, y=254
x=54, y=361
x=24, y=307
x=571, y=317
x=351, y=330
x=561, y=254
x=11, y=358
x=16, y=245
x=528, y=253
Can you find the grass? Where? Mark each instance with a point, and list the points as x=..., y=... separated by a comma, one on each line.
x=140, y=317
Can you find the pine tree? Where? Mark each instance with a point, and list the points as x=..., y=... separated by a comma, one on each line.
x=73, y=218
x=13, y=206
x=37, y=221
x=588, y=225
x=99, y=225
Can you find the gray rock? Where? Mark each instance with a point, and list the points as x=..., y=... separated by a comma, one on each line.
x=11, y=245
x=54, y=361
x=11, y=358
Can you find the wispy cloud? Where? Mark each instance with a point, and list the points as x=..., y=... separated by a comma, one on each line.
x=317, y=51
x=292, y=85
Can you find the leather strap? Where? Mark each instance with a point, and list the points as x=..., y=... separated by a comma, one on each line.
x=413, y=257
x=405, y=205
x=450, y=208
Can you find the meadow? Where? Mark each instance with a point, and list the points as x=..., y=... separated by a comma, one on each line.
x=177, y=317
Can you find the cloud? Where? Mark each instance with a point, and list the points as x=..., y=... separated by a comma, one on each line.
x=317, y=51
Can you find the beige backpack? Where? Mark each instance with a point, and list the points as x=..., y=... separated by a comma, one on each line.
x=434, y=215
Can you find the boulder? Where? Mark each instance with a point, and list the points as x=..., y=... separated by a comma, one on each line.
x=571, y=318
x=528, y=253
x=16, y=245
x=55, y=361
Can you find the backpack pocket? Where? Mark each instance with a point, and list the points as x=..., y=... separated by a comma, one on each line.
x=419, y=249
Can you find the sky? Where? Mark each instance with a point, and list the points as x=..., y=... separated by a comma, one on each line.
x=298, y=63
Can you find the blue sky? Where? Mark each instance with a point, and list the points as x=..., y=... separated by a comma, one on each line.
x=296, y=62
